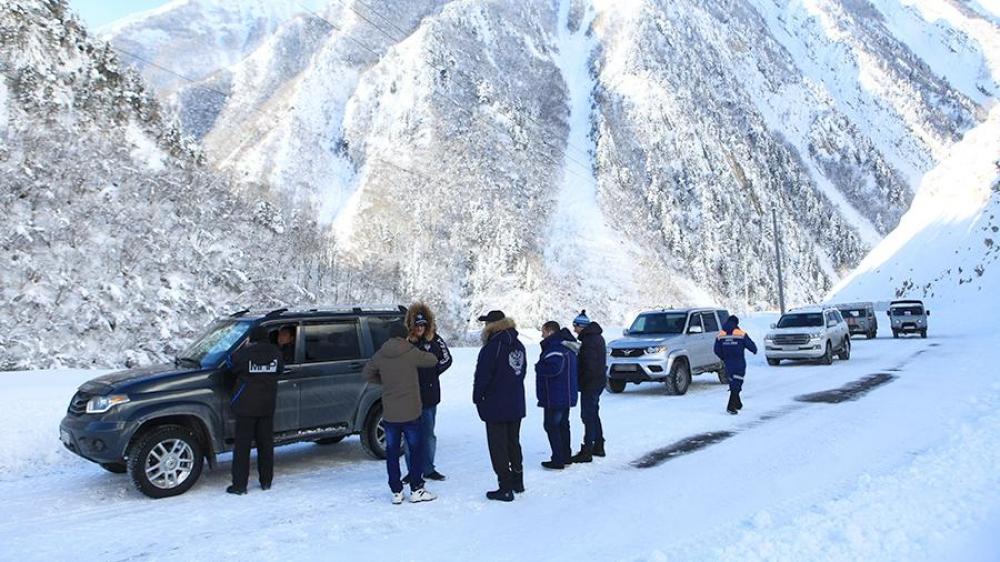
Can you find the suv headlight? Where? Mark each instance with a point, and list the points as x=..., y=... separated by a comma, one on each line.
x=101, y=404
x=655, y=350
x=815, y=335
x=769, y=337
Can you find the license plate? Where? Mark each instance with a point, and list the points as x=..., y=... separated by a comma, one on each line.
x=626, y=368
x=65, y=437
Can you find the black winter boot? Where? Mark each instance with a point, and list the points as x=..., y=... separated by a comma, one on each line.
x=599, y=449
x=500, y=495
x=586, y=454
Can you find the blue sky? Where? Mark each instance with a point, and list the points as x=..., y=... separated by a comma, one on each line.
x=100, y=12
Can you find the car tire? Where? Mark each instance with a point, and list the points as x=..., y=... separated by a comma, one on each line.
x=923, y=334
x=185, y=458
x=723, y=375
x=330, y=440
x=845, y=353
x=774, y=362
x=616, y=386
x=115, y=467
x=679, y=379
x=827, y=358
x=373, y=434
x=895, y=334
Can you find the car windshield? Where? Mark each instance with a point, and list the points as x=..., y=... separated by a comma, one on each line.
x=907, y=310
x=659, y=323
x=852, y=313
x=804, y=320
x=210, y=348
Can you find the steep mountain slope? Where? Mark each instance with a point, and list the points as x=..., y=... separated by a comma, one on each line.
x=545, y=156
x=195, y=38
x=118, y=242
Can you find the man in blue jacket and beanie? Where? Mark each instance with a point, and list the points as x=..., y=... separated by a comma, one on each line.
x=498, y=392
x=730, y=345
x=556, y=388
x=592, y=364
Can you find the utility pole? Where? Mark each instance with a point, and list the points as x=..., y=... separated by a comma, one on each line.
x=777, y=256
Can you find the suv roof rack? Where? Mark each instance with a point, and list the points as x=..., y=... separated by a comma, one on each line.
x=276, y=312
x=239, y=313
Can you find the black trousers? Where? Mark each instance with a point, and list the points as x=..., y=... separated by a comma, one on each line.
x=260, y=430
x=504, y=440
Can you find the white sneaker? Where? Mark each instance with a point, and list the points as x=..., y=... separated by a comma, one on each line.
x=397, y=498
x=421, y=495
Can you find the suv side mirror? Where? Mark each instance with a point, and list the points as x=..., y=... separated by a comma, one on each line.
x=696, y=330
x=831, y=323
x=625, y=332
x=927, y=312
x=773, y=326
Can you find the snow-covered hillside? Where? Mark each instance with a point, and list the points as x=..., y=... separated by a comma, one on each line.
x=604, y=153
x=195, y=38
x=946, y=247
x=118, y=243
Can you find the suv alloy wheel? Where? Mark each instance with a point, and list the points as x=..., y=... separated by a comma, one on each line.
x=373, y=433
x=165, y=461
x=827, y=358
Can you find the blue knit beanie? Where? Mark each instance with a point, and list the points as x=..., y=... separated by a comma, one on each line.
x=581, y=320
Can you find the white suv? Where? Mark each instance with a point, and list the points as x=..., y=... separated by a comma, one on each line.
x=814, y=333
x=668, y=346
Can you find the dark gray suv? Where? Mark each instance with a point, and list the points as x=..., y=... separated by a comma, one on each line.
x=161, y=423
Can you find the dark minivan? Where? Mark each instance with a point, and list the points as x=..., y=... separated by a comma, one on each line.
x=161, y=423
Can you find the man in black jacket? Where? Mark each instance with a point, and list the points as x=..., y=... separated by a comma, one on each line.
x=257, y=366
x=592, y=367
x=424, y=336
x=498, y=392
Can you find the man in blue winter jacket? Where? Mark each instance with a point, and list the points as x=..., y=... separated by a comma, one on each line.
x=556, y=388
x=498, y=392
x=730, y=345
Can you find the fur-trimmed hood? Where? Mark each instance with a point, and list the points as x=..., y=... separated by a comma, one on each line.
x=494, y=328
x=411, y=317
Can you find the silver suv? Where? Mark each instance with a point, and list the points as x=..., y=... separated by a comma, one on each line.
x=808, y=333
x=908, y=317
x=667, y=346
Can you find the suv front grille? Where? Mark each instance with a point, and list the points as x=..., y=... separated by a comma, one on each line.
x=628, y=352
x=78, y=405
x=791, y=339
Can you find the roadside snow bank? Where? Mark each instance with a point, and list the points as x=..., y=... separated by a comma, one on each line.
x=34, y=401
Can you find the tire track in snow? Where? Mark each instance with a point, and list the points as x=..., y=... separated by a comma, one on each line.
x=849, y=392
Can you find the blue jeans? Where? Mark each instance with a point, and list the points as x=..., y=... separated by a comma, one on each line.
x=427, y=419
x=590, y=407
x=394, y=432
x=557, y=427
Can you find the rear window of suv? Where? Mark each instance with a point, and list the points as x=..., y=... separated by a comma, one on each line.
x=380, y=328
x=805, y=320
x=336, y=341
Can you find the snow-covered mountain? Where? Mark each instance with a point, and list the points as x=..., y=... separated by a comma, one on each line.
x=946, y=247
x=540, y=157
x=118, y=242
x=550, y=155
x=195, y=38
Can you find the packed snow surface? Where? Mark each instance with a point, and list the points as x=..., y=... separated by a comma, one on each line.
x=906, y=471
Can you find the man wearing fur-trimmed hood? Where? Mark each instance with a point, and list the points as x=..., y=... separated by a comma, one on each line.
x=423, y=335
x=498, y=392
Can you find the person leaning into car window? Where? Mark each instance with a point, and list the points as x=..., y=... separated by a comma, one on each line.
x=257, y=366
x=286, y=343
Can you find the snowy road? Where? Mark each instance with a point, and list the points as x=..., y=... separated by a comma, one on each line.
x=905, y=471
